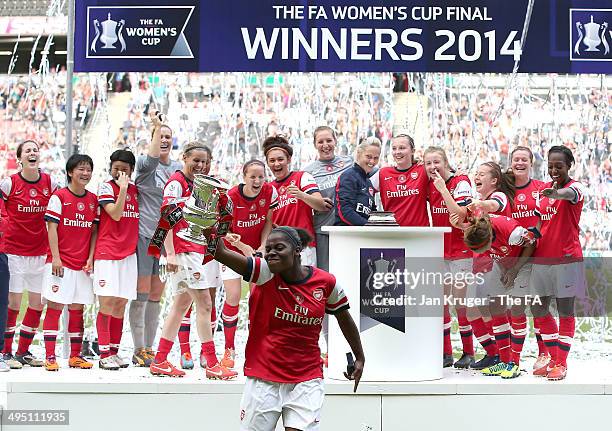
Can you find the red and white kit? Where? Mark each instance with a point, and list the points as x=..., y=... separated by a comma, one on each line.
x=283, y=362
x=115, y=264
x=294, y=212
x=509, y=237
x=192, y=273
x=75, y=217
x=527, y=203
x=558, y=269
x=26, y=234
x=483, y=262
x=461, y=190
x=404, y=193
x=249, y=219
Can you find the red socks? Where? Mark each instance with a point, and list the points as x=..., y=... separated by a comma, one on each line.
x=103, y=328
x=481, y=331
x=11, y=327
x=465, y=329
x=75, y=331
x=29, y=326
x=208, y=350
x=549, y=333
x=567, y=327
x=116, y=331
x=536, y=330
x=50, y=329
x=184, y=332
x=501, y=331
x=518, y=331
x=162, y=350
x=229, y=315
x=448, y=348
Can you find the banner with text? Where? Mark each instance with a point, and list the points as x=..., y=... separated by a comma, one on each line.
x=562, y=36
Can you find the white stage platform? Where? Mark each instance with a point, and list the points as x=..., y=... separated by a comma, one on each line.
x=462, y=400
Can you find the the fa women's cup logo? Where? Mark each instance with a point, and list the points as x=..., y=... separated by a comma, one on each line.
x=112, y=31
x=592, y=35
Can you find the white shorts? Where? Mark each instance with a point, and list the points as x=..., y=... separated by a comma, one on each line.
x=566, y=280
x=192, y=274
x=309, y=256
x=228, y=273
x=27, y=273
x=493, y=286
x=461, y=271
x=75, y=287
x=264, y=402
x=116, y=278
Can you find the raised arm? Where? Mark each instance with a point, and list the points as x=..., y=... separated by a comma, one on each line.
x=351, y=334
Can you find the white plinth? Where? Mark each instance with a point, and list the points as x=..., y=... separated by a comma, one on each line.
x=391, y=355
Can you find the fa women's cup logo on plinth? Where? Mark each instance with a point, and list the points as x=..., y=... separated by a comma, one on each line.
x=590, y=37
x=108, y=33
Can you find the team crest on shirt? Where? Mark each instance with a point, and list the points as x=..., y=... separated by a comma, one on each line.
x=329, y=168
x=521, y=197
x=197, y=275
x=46, y=191
x=33, y=193
x=55, y=288
x=81, y=206
x=402, y=178
x=414, y=175
x=102, y=283
x=262, y=202
x=504, y=249
x=91, y=206
x=318, y=294
x=299, y=298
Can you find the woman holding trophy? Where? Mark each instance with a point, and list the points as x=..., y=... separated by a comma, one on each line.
x=190, y=278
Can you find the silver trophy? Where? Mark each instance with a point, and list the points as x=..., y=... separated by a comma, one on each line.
x=381, y=218
x=202, y=209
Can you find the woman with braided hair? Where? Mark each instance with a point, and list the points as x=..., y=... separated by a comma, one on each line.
x=558, y=269
x=283, y=365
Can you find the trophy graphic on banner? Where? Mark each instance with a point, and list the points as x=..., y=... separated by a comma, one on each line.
x=208, y=208
x=112, y=31
x=592, y=34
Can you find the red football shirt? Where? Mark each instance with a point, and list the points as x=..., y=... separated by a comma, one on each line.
x=404, y=193
x=461, y=190
x=117, y=239
x=75, y=216
x=250, y=214
x=527, y=203
x=26, y=203
x=179, y=186
x=285, y=323
x=508, y=240
x=292, y=211
x=560, y=227
x=483, y=262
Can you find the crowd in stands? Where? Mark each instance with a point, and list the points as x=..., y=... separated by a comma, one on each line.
x=34, y=107
x=233, y=113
